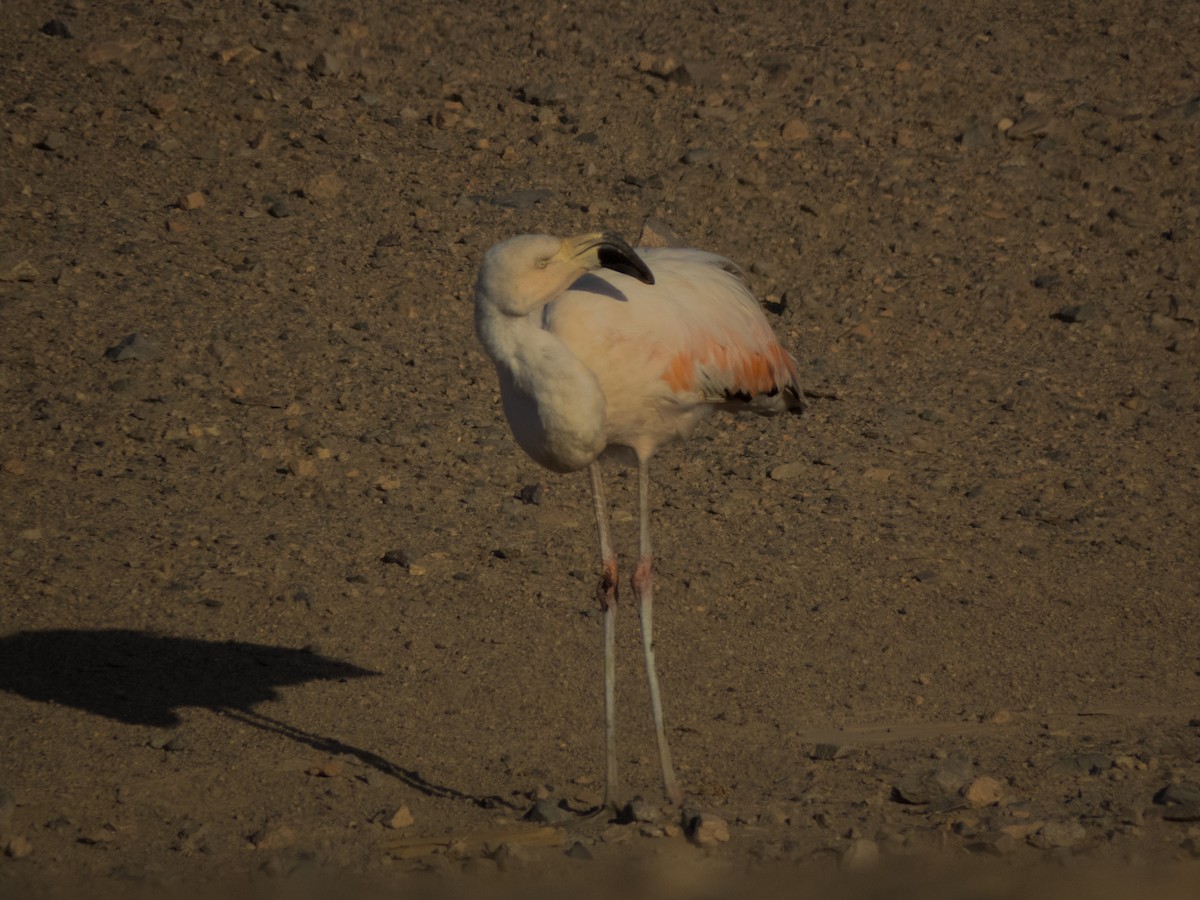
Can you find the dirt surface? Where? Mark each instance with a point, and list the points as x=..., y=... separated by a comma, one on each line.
x=280, y=596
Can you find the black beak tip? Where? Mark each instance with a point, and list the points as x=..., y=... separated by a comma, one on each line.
x=618, y=256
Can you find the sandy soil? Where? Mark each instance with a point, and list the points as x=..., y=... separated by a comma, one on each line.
x=275, y=603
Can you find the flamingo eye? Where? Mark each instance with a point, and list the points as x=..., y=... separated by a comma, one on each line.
x=543, y=262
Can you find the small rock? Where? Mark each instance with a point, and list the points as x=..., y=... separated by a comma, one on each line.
x=329, y=63
x=279, y=209
x=578, y=851
x=1077, y=313
x=549, y=94
x=1182, y=802
x=401, y=818
x=135, y=347
x=18, y=847
x=53, y=142
x=976, y=134
x=795, y=130
x=1031, y=125
x=831, y=751
x=983, y=791
x=530, y=495
x=639, y=810
x=324, y=188
x=14, y=267
x=705, y=829
x=191, y=200
x=163, y=104
x=657, y=233
x=103, y=835
x=861, y=854
x=1059, y=835
x=330, y=768
x=398, y=557
x=1084, y=764
x=786, y=471
x=1161, y=324
x=513, y=857
x=697, y=156
x=523, y=199
x=273, y=837
x=698, y=74
x=303, y=468
x=57, y=28
x=547, y=812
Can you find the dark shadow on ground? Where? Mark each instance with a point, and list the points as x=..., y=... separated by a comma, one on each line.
x=144, y=679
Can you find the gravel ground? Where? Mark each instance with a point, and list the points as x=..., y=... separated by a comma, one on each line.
x=280, y=599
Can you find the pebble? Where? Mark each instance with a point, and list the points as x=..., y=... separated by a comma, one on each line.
x=1080, y=312
x=512, y=857
x=401, y=818
x=795, y=130
x=522, y=199
x=697, y=156
x=983, y=791
x=1161, y=324
x=786, y=471
x=135, y=347
x=831, y=751
x=976, y=134
x=303, y=468
x=705, y=829
x=53, y=142
x=18, y=847
x=162, y=104
x=191, y=200
x=639, y=810
x=1059, y=834
x=279, y=209
x=398, y=557
x=698, y=74
x=939, y=786
x=548, y=812
x=549, y=94
x=1084, y=764
x=273, y=837
x=657, y=233
x=1031, y=125
x=1182, y=802
x=860, y=855
x=530, y=494
x=14, y=267
x=57, y=28
x=578, y=851
x=330, y=768
x=324, y=188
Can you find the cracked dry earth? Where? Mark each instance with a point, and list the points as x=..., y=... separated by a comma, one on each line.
x=281, y=600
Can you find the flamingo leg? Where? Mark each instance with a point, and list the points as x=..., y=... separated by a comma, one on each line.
x=643, y=593
x=606, y=594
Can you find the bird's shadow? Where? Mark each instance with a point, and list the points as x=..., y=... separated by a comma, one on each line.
x=593, y=284
x=140, y=678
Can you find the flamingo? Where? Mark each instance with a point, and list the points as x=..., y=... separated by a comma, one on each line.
x=602, y=350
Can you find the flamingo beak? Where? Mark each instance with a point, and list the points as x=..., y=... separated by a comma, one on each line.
x=609, y=251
